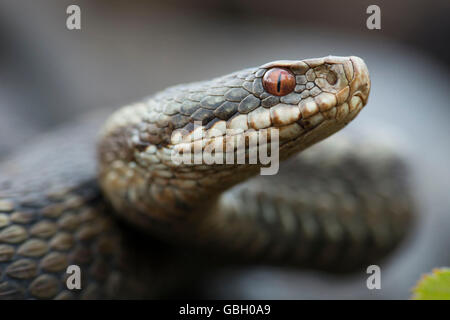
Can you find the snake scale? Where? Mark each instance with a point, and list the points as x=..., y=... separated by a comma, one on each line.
x=140, y=224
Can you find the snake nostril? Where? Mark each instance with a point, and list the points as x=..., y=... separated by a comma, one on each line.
x=331, y=77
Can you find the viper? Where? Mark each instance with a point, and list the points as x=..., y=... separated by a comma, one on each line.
x=105, y=192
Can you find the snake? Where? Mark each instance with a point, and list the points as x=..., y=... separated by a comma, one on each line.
x=106, y=194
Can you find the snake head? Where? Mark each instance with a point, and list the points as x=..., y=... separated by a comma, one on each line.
x=317, y=97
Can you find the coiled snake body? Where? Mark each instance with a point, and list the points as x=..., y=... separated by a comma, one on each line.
x=338, y=206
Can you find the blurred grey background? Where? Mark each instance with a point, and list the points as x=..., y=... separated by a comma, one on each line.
x=130, y=49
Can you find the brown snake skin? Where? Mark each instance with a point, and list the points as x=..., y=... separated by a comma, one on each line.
x=342, y=204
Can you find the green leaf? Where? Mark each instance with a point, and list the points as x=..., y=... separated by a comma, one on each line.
x=434, y=286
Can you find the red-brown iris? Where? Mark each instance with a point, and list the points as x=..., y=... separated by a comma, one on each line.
x=279, y=81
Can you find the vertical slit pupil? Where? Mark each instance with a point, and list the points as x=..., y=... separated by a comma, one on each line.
x=279, y=82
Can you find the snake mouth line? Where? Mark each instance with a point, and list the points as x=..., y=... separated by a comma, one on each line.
x=293, y=128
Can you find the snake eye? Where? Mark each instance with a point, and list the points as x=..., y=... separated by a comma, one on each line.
x=279, y=81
